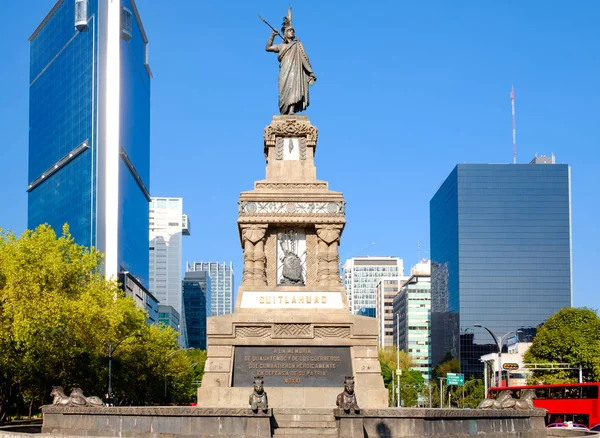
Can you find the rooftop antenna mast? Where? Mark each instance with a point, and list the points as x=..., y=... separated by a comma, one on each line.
x=514, y=124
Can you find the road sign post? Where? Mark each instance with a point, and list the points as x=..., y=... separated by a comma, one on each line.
x=455, y=379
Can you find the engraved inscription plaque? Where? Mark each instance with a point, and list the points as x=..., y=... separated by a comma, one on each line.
x=292, y=366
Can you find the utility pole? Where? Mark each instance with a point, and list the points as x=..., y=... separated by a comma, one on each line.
x=393, y=388
x=398, y=370
x=441, y=392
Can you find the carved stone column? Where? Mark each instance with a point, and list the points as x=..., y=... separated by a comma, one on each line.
x=328, y=271
x=254, y=255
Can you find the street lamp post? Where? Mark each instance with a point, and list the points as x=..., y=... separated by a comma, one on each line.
x=499, y=341
x=111, y=350
x=398, y=370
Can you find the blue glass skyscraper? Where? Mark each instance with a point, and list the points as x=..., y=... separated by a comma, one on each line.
x=89, y=129
x=500, y=255
x=196, y=288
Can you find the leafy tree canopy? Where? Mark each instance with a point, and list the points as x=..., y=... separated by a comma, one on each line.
x=58, y=316
x=570, y=336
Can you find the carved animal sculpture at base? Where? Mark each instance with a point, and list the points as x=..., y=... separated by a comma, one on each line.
x=90, y=401
x=76, y=398
x=59, y=397
x=347, y=399
x=506, y=401
x=258, y=398
x=526, y=400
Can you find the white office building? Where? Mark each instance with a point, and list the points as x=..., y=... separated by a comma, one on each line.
x=167, y=226
x=412, y=318
x=360, y=278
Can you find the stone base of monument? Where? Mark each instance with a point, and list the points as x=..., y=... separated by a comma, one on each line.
x=303, y=355
x=167, y=421
x=173, y=422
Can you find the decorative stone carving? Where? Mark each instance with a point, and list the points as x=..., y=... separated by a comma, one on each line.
x=252, y=332
x=347, y=399
x=292, y=331
x=258, y=398
x=303, y=148
x=328, y=271
x=332, y=332
x=254, y=254
x=291, y=186
x=279, y=148
x=271, y=207
x=292, y=269
x=290, y=127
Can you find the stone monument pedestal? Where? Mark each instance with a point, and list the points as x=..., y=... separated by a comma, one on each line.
x=291, y=323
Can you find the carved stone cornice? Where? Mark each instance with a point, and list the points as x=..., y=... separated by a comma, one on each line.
x=291, y=128
x=279, y=207
x=290, y=218
x=292, y=185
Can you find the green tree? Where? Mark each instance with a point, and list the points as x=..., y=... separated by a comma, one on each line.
x=389, y=356
x=58, y=316
x=411, y=384
x=388, y=360
x=153, y=370
x=57, y=312
x=449, y=364
x=571, y=336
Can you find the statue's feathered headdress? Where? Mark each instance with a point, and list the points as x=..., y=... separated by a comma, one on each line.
x=287, y=21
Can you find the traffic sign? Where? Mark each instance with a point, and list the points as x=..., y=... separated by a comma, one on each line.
x=510, y=366
x=455, y=379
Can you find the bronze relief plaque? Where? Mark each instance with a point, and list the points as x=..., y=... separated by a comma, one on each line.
x=292, y=366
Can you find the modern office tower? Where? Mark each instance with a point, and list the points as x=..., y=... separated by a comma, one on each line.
x=167, y=226
x=361, y=275
x=500, y=254
x=89, y=129
x=221, y=284
x=385, y=291
x=412, y=317
x=367, y=311
x=140, y=295
x=168, y=316
x=196, y=308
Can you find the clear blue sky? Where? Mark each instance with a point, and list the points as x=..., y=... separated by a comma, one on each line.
x=405, y=91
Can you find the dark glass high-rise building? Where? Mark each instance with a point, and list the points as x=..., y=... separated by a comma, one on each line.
x=500, y=255
x=89, y=129
x=196, y=303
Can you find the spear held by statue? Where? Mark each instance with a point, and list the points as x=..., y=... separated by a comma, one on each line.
x=267, y=23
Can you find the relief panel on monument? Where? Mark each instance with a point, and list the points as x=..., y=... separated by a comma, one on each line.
x=292, y=149
x=291, y=257
x=292, y=366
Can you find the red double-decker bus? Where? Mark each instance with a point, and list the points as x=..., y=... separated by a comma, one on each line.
x=576, y=402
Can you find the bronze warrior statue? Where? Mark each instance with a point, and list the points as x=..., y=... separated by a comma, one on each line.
x=295, y=71
x=258, y=398
x=347, y=399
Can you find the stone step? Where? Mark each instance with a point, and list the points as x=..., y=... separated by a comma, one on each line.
x=306, y=423
x=303, y=411
x=305, y=431
x=305, y=436
x=303, y=418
